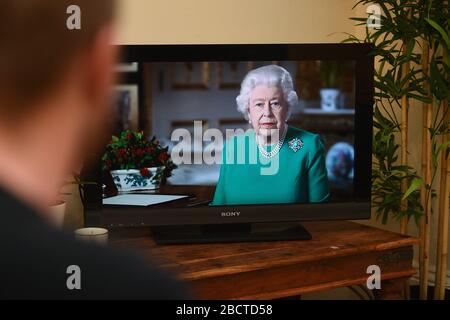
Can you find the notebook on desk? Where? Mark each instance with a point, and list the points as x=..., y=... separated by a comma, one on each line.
x=141, y=199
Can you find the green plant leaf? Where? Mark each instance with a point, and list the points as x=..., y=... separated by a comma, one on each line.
x=444, y=34
x=415, y=184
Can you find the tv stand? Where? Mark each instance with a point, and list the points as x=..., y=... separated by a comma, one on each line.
x=232, y=232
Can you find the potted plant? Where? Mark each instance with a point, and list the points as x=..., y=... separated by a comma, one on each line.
x=330, y=73
x=136, y=163
x=411, y=46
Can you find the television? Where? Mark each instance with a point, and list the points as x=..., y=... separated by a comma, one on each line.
x=311, y=107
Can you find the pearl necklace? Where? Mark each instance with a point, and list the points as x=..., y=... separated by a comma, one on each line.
x=276, y=149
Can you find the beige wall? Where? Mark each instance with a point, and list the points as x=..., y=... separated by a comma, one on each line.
x=233, y=21
x=249, y=21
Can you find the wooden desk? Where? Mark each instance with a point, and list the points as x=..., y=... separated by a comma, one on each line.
x=338, y=255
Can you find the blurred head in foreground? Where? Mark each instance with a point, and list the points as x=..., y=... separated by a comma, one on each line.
x=54, y=91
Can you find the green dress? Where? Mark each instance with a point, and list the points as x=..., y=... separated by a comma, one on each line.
x=296, y=174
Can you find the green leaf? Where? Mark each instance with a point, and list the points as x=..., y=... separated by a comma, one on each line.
x=359, y=19
x=444, y=34
x=439, y=149
x=415, y=184
x=420, y=98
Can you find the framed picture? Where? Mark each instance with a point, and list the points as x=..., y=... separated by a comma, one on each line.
x=126, y=107
x=230, y=74
x=126, y=67
x=308, y=80
x=190, y=75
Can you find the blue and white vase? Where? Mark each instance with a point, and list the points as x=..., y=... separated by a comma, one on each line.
x=329, y=99
x=132, y=179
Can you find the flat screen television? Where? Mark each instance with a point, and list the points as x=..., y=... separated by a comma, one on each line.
x=263, y=137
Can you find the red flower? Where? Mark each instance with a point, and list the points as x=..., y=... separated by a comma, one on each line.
x=133, y=150
x=145, y=172
x=139, y=152
x=163, y=156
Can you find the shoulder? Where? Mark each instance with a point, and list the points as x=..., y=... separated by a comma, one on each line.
x=105, y=273
x=115, y=274
x=39, y=257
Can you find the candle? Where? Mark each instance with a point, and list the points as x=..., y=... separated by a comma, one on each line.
x=98, y=235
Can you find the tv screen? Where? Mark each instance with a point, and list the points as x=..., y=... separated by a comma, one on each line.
x=274, y=132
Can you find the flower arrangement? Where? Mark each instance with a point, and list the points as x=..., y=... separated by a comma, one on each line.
x=140, y=159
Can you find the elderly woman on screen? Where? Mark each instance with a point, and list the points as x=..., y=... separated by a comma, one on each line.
x=265, y=100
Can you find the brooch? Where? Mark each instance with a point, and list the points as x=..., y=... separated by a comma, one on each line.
x=296, y=144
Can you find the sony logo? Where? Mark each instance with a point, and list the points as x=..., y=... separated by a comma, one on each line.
x=231, y=214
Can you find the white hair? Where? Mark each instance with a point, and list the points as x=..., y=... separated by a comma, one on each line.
x=271, y=76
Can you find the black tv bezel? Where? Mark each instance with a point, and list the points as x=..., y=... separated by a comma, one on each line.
x=359, y=208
